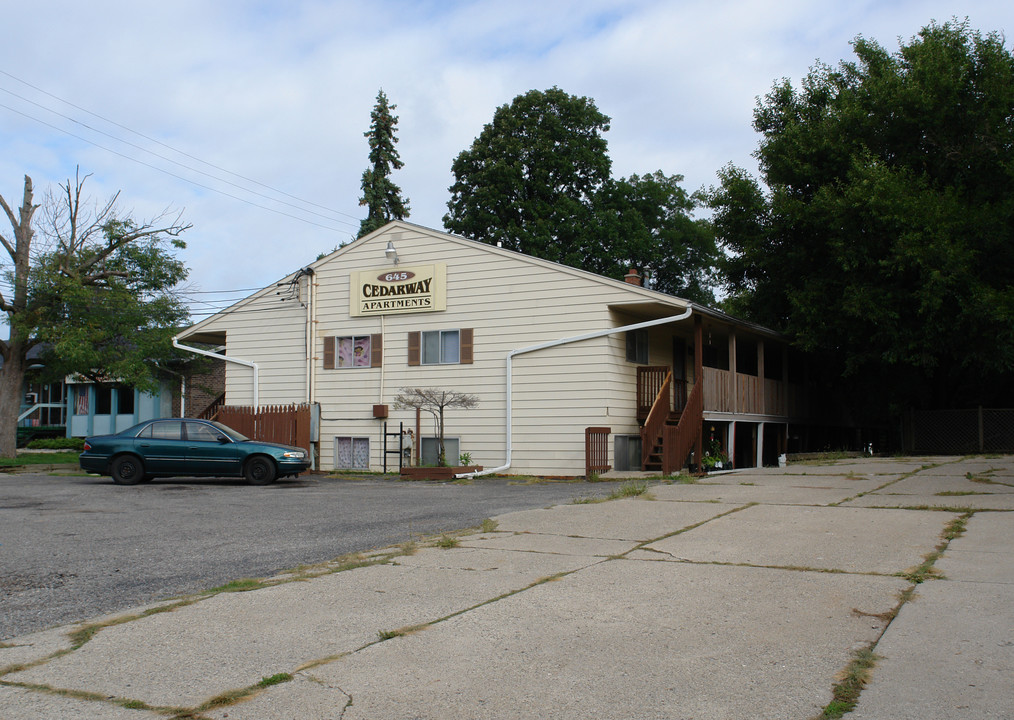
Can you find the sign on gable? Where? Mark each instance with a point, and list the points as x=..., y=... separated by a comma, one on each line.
x=420, y=288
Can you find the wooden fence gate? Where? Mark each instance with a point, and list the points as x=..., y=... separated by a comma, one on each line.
x=285, y=424
x=596, y=450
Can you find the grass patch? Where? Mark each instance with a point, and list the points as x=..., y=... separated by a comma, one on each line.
x=58, y=458
x=388, y=634
x=489, y=525
x=956, y=493
x=846, y=691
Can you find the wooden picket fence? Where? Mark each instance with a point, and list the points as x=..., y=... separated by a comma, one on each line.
x=285, y=424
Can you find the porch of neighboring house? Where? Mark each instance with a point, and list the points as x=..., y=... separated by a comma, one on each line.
x=736, y=413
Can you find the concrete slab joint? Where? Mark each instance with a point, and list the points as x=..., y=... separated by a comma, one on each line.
x=744, y=597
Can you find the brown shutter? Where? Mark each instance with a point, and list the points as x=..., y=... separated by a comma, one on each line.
x=329, y=352
x=465, y=343
x=413, y=347
x=376, y=350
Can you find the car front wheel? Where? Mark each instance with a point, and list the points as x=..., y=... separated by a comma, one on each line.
x=127, y=470
x=259, y=471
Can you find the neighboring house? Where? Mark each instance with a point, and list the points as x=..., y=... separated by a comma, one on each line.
x=78, y=408
x=104, y=408
x=549, y=351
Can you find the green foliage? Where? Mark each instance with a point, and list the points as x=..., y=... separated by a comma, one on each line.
x=645, y=222
x=116, y=322
x=538, y=180
x=380, y=195
x=882, y=243
x=527, y=181
x=60, y=443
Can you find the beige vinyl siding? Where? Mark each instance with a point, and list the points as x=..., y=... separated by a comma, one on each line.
x=510, y=304
x=270, y=332
x=509, y=301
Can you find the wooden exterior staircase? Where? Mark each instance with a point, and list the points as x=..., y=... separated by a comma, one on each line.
x=669, y=434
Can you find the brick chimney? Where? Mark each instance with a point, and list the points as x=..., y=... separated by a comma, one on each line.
x=633, y=277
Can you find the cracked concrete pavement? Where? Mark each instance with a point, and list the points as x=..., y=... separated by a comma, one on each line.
x=744, y=595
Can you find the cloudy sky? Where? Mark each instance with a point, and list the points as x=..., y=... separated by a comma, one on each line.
x=248, y=116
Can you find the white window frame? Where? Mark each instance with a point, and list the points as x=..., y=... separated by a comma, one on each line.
x=427, y=359
x=353, y=439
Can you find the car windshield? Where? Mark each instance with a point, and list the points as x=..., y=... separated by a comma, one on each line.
x=236, y=437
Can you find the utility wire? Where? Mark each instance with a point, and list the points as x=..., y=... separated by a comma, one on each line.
x=174, y=162
x=158, y=142
x=178, y=177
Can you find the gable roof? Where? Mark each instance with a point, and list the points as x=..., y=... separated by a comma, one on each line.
x=643, y=301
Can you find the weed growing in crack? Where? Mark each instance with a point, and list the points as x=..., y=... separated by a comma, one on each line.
x=276, y=679
x=447, y=541
x=846, y=691
x=241, y=585
x=633, y=488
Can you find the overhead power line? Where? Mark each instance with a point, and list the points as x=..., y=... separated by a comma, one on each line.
x=175, y=162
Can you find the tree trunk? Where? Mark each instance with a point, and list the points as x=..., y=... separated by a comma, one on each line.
x=12, y=378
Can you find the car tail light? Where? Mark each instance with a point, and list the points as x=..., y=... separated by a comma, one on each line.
x=87, y=447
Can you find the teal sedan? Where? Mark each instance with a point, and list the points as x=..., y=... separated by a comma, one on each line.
x=184, y=447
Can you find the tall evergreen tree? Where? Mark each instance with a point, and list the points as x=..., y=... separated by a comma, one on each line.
x=380, y=195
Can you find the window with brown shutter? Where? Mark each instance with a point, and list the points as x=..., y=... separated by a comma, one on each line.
x=413, y=348
x=353, y=351
x=329, y=352
x=441, y=347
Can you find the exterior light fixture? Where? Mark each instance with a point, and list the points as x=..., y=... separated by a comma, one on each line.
x=390, y=252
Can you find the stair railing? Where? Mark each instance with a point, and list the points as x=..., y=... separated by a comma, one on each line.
x=652, y=430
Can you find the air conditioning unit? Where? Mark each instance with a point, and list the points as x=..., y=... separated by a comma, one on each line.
x=31, y=399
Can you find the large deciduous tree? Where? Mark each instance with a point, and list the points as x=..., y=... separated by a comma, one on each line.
x=95, y=292
x=528, y=181
x=884, y=239
x=538, y=180
x=381, y=196
x=645, y=222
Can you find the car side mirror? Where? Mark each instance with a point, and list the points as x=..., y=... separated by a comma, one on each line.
x=222, y=440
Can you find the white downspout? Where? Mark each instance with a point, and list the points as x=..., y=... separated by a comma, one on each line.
x=553, y=343
x=237, y=361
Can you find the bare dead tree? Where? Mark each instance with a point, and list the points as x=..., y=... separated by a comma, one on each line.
x=435, y=401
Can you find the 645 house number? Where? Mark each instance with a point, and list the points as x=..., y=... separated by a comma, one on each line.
x=396, y=276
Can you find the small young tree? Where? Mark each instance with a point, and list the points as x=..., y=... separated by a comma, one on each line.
x=380, y=195
x=435, y=401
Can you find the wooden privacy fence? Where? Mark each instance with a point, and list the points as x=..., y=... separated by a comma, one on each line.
x=285, y=424
x=596, y=450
